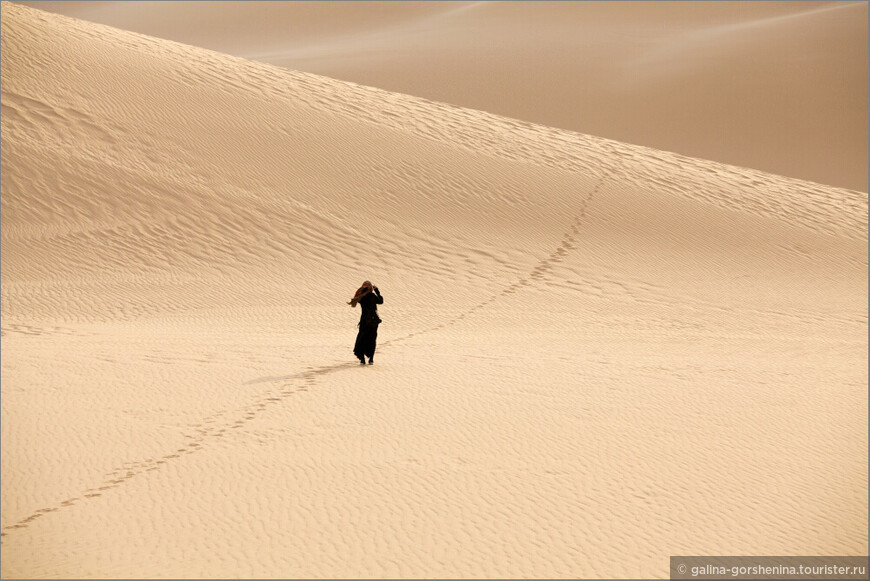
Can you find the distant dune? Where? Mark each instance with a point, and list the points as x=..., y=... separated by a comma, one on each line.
x=776, y=86
x=594, y=355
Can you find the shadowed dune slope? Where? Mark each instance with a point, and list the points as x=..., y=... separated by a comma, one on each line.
x=594, y=355
x=265, y=168
x=776, y=86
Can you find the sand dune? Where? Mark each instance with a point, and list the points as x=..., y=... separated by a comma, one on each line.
x=776, y=86
x=595, y=355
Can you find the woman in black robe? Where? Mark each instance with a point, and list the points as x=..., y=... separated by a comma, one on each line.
x=368, y=297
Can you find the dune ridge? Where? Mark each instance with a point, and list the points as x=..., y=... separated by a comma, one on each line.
x=594, y=355
x=777, y=87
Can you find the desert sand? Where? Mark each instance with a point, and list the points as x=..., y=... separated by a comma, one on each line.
x=594, y=355
x=775, y=86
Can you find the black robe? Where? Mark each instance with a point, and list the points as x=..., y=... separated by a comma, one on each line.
x=367, y=338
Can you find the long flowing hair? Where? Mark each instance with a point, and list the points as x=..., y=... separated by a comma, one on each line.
x=362, y=291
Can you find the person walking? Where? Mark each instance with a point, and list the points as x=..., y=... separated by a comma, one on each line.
x=368, y=297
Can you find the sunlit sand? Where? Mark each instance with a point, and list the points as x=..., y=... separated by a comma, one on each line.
x=593, y=355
